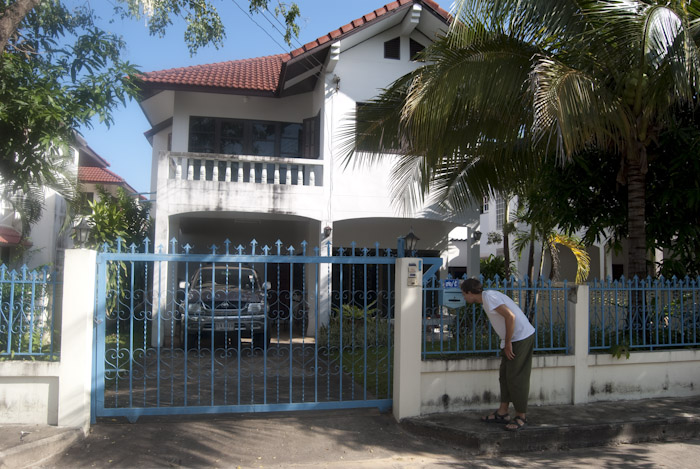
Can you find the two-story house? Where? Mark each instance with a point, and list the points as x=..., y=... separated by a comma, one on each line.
x=50, y=236
x=253, y=149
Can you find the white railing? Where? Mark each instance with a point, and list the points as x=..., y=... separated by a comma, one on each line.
x=245, y=169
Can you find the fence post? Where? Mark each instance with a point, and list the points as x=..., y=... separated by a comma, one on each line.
x=407, y=333
x=579, y=338
x=75, y=370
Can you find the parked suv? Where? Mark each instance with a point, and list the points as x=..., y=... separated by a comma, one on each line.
x=225, y=298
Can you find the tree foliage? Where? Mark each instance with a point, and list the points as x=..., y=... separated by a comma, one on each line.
x=117, y=216
x=61, y=71
x=515, y=83
x=585, y=195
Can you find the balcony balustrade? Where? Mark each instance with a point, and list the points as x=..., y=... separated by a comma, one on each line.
x=245, y=169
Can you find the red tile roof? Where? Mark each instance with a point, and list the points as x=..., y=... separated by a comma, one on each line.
x=260, y=73
x=11, y=237
x=98, y=175
x=379, y=12
x=263, y=73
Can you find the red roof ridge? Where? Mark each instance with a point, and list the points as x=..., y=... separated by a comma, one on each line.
x=364, y=19
x=223, y=62
x=263, y=74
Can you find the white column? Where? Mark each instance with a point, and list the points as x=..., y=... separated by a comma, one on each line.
x=473, y=254
x=407, y=343
x=325, y=281
x=75, y=370
x=578, y=338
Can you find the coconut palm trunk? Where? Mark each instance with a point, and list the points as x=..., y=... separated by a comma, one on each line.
x=636, y=216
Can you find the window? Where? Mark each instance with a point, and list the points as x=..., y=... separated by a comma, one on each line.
x=618, y=270
x=242, y=137
x=500, y=212
x=485, y=206
x=232, y=135
x=392, y=49
x=203, y=135
x=263, y=139
x=290, y=140
x=312, y=137
x=414, y=48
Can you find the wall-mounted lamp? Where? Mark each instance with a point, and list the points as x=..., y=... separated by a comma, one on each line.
x=81, y=231
x=411, y=240
x=476, y=235
x=336, y=81
x=327, y=231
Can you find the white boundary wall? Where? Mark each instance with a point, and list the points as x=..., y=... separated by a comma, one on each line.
x=56, y=393
x=456, y=385
x=59, y=394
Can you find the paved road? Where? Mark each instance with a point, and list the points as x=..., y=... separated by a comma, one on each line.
x=326, y=439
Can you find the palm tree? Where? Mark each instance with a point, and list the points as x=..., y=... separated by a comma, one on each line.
x=515, y=81
x=551, y=242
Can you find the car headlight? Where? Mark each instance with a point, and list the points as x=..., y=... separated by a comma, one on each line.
x=255, y=308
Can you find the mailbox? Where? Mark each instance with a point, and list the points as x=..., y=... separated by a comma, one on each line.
x=451, y=294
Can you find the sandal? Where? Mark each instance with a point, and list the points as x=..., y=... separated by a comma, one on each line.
x=518, y=423
x=495, y=417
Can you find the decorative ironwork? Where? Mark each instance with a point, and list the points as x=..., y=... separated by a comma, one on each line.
x=466, y=331
x=27, y=313
x=645, y=314
x=325, y=339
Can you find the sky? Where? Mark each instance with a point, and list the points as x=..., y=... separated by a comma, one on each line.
x=123, y=144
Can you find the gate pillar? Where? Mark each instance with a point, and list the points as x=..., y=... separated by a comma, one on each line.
x=77, y=351
x=407, y=345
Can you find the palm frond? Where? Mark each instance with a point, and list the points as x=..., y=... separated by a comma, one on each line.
x=583, y=260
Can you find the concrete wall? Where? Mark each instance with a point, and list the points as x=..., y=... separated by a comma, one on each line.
x=53, y=393
x=29, y=392
x=578, y=378
x=58, y=393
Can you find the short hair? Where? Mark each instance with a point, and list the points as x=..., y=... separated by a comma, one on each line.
x=472, y=285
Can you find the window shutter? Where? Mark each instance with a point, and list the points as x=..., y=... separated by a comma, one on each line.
x=415, y=47
x=392, y=49
x=312, y=137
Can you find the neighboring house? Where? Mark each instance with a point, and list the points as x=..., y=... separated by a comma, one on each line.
x=253, y=149
x=51, y=235
x=93, y=172
x=605, y=262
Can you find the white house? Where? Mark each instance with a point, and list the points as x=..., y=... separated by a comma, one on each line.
x=252, y=149
x=604, y=262
x=51, y=236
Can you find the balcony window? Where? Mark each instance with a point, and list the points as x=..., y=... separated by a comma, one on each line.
x=203, y=135
x=232, y=137
x=264, y=139
x=242, y=137
x=290, y=140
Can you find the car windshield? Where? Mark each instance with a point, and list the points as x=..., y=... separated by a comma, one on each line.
x=229, y=276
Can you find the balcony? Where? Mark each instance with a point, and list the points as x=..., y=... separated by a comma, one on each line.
x=208, y=182
x=244, y=169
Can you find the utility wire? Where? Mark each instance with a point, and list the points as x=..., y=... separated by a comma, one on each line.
x=259, y=26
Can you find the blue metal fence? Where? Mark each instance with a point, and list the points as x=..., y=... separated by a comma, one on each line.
x=28, y=311
x=243, y=329
x=466, y=331
x=646, y=314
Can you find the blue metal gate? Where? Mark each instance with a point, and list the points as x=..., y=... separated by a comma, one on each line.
x=242, y=329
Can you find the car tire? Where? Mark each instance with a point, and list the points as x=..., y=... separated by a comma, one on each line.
x=261, y=340
x=191, y=338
